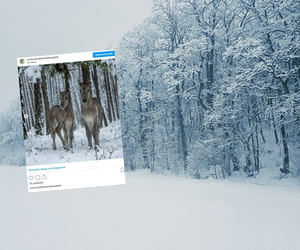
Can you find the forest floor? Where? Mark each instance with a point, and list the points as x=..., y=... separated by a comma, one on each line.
x=39, y=151
x=151, y=211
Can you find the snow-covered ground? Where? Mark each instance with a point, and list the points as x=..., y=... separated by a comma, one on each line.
x=39, y=149
x=150, y=212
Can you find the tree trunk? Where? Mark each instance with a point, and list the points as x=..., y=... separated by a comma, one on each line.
x=249, y=168
x=38, y=108
x=85, y=72
x=210, y=63
x=227, y=155
x=107, y=96
x=66, y=77
x=257, y=146
x=46, y=101
x=95, y=80
x=234, y=159
x=273, y=121
x=181, y=128
x=286, y=160
x=116, y=96
x=22, y=110
x=141, y=128
x=110, y=96
x=30, y=103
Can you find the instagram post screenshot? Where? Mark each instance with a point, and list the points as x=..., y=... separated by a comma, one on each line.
x=71, y=121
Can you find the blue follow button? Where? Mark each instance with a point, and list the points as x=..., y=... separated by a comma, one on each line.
x=103, y=54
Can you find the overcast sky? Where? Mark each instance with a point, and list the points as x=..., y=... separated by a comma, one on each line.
x=36, y=28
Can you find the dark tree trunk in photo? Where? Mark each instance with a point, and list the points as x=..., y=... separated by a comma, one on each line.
x=66, y=77
x=107, y=96
x=116, y=95
x=38, y=126
x=22, y=110
x=85, y=72
x=46, y=100
x=30, y=102
x=26, y=105
x=110, y=96
x=104, y=117
x=95, y=80
x=29, y=106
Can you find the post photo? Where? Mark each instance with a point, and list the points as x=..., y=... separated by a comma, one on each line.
x=70, y=111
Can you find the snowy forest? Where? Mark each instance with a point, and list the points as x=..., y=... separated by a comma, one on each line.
x=209, y=87
x=206, y=88
x=11, y=136
x=39, y=91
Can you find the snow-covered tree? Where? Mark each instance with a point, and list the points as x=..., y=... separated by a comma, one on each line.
x=11, y=139
x=204, y=84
